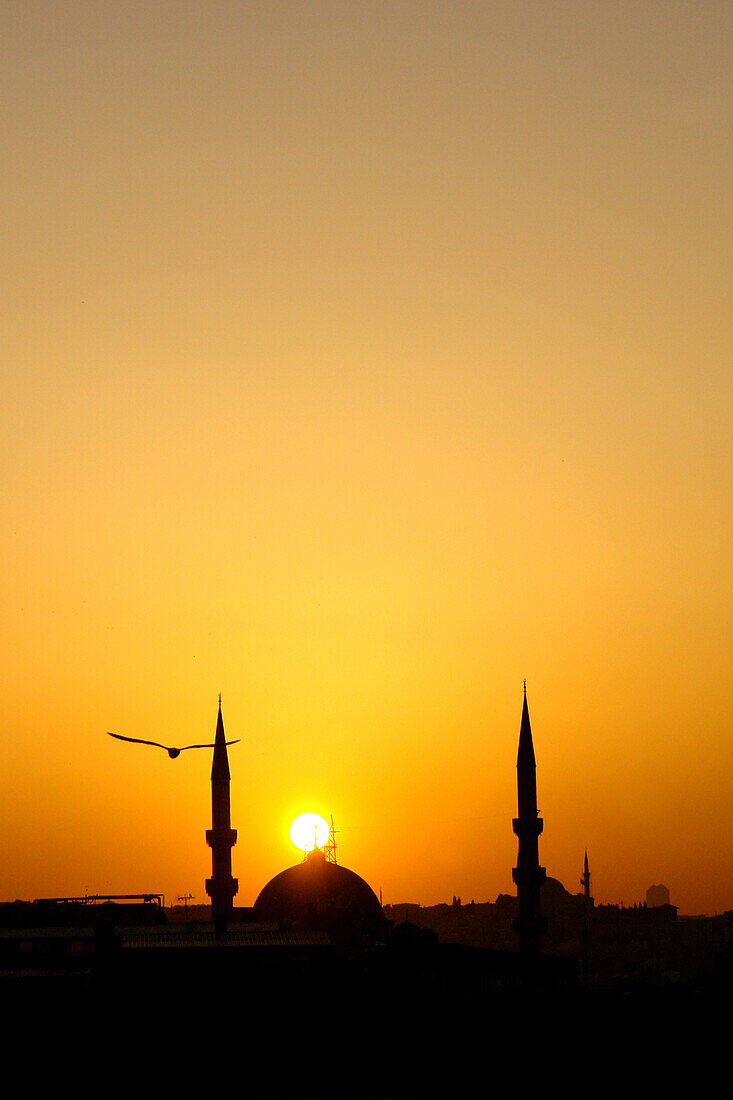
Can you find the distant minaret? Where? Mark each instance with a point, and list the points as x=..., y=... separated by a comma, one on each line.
x=585, y=881
x=528, y=875
x=587, y=904
x=221, y=838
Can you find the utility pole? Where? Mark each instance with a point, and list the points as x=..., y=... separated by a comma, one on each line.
x=185, y=898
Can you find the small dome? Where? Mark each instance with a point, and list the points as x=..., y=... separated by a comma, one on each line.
x=553, y=888
x=318, y=894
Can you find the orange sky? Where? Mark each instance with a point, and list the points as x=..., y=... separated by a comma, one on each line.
x=359, y=361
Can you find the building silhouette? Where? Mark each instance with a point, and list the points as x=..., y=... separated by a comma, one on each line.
x=657, y=895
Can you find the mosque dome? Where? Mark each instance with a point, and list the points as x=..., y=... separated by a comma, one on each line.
x=317, y=894
x=553, y=889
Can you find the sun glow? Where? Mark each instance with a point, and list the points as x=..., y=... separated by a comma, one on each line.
x=309, y=831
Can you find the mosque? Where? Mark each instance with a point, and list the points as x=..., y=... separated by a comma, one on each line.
x=320, y=896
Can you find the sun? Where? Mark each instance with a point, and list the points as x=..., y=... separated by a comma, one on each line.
x=309, y=831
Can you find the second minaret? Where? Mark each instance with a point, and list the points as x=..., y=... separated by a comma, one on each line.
x=528, y=875
x=221, y=838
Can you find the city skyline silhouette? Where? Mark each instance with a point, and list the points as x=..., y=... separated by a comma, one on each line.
x=528, y=971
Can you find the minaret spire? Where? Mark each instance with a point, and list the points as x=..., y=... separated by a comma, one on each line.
x=528, y=875
x=221, y=838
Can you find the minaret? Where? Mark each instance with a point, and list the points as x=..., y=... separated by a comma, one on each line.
x=528, y=875
x=221, y=838
x=587, y=904
x=585, y=881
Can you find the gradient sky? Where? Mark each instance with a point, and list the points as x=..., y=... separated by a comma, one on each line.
x=360, y=360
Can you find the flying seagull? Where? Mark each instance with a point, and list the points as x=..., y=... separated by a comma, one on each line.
x=172, y=752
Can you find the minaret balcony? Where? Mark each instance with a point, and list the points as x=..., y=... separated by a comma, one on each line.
x=223, y=886
x=531, y=827
x=528, y=875
x=221, y=835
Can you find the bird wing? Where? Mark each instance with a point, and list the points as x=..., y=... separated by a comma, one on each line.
x=137, y=740
x=207, y=746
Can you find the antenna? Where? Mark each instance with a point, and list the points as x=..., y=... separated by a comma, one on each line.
x=329, y=848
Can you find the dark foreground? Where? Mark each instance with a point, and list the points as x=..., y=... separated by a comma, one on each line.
x=302, y=1040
